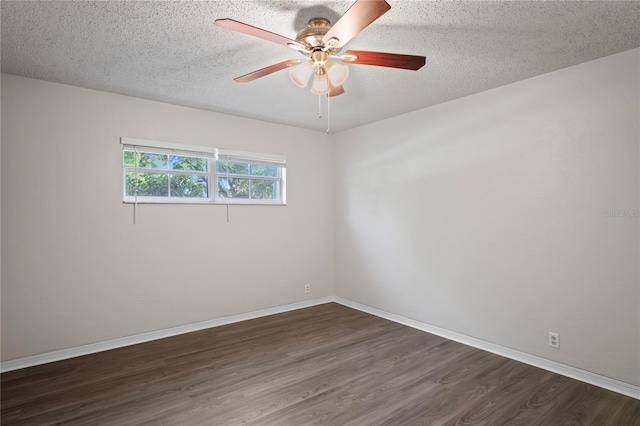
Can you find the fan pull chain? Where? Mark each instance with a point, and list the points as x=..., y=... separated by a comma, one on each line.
x=328, y=114
x=319, y=106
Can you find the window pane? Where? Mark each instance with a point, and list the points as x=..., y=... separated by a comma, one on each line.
x=149, y=184
x=233, y=188
x=189, y=186
x=179, y=162
x=271, y=171
x=233, y=168
x=152, y=161
x=129, y=158
x=264, y=190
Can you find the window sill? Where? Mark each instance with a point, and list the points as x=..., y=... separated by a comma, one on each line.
x=207, y=202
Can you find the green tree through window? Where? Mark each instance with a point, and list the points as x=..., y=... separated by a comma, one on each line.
x=159, y=176
x=152, y=176
x=247, y=180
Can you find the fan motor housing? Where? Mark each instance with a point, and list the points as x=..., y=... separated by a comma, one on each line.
x=312, y=35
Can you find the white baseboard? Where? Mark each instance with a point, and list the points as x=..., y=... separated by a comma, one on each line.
x=556, y=367
x=45, y=358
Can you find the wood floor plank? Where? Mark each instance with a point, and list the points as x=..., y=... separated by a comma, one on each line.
x=546, y=397
x=629, y=413
x=324, y=365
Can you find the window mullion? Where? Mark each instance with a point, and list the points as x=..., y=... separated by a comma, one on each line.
x=213, y=178
x=189, y=173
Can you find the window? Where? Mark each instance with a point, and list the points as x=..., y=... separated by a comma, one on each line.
x=163, y=175
x=246, y=179
x=161, y=172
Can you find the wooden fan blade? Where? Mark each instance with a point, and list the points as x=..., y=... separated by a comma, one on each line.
x=267, y=70
x=232, y=25
x=357, y=18
x=335, y=90
x=381, y=59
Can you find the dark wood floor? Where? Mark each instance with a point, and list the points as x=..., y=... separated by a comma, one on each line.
x=325, y=365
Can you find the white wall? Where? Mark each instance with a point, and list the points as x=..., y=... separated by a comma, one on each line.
x=486, y=215
x=75, y=270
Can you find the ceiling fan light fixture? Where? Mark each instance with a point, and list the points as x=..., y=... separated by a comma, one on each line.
x=320, y=84
x=319, y=41
x=338, y=73
x=301, y=73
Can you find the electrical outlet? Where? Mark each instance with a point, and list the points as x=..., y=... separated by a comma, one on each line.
x=307, y=288
x=554, y=340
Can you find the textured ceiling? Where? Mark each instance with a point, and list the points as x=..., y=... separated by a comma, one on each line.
x=171, y=51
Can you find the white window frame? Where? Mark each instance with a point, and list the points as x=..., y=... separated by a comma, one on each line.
x=212, y=155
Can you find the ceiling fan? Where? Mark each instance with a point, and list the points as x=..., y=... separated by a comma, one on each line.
x=320, y=42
